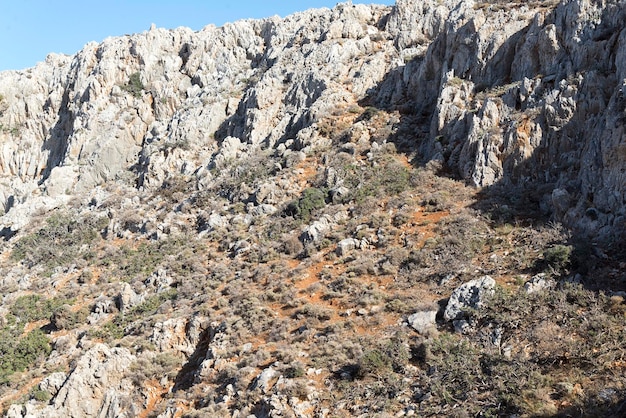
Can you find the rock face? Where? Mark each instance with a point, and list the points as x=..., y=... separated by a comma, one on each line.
x=93, y=389
x=525, y=96
x=522, y=96
x=530, y=99
x=423, y=321
x=169, y=102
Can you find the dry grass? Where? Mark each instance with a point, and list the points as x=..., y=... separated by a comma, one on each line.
x=333, y=325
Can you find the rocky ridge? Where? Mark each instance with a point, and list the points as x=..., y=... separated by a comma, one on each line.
x=523, y=95
x=172, y=166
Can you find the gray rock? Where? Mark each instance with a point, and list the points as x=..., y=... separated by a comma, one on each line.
x=214, y=101
x=346, y=245
x=53, y=382
x=462, y=326
x=423, y=321
x=95, y=388
x=217, y=221
x=102, y=307
x=317, y=229
x=561, y=200
x=98, y=374
x=469, y=295
x=263, y=210
x=265, y=379
x=170, y=335
x=338, y=193
x=179, y=334
x=94, y=129
x=539, y=283
x=160, y=280
x=127, y=298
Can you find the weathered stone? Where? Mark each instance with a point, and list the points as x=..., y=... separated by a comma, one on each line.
x=178, y=334
x=423, y=321
x=127, y=298
x=346, y=245
x=538, y=283
x=53, y=382
x=95, y=388
x=263, y=210
x=527, y=99
x=265, y=379
x=469, y=295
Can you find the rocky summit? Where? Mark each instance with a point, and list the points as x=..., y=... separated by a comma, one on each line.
x=415, y=210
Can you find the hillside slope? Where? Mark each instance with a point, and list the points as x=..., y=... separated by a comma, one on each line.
x=363, y=211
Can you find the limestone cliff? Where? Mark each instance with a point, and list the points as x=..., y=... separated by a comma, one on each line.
x=523, y=94
x=171, y=149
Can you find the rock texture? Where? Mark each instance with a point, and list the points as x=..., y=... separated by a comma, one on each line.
x=470, y=295
x=524, y=97
x=530, y=99
x=95, y=388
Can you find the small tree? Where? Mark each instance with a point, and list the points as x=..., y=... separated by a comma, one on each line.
x=311, y=199
x=134, y=85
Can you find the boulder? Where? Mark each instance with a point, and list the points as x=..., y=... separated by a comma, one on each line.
x=470, y=295
x=423, y=321
x=538, y=283
x=346, y=245
x=127, y=298
x=265, y=379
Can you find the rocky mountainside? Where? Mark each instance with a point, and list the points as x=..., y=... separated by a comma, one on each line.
x=363, y=211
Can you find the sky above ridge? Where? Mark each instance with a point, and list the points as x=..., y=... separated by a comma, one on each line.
x=30, y=29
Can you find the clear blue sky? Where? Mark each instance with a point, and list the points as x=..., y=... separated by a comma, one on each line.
x=30, y=29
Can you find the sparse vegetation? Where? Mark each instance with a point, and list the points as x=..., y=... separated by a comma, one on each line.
x=270, y=296
x=311, y=199
x=303, y=267
x=32, y=308
x=134, y=85
x=118, y=326
x=63, y=240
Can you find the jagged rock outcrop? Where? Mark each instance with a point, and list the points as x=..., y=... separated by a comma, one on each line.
x=529, y=98
x=95, y=388
x=169, y=102
x=174, y=132
x=522, y=94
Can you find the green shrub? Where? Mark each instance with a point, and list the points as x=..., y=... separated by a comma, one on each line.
x=458, y=364
x=117, y=327
x=310, y=200
x=128, y=262
x=31, y=308
x=163, y=364
x=292, y=245
x=369, y=113
x=295, y=371
x=65, y=318
x=385, y=177
x=134, y=85
x=150, y=305
x=558, y=256
x=17, y=357
x=374, y=363
x=40, y=395
x=388, y=357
